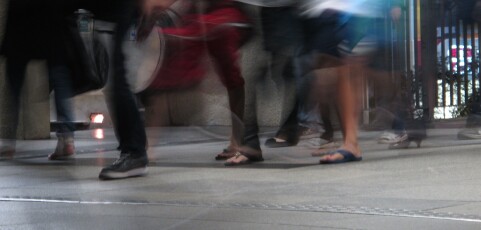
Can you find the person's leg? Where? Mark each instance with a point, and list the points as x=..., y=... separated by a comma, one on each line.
x=349, y=67
x=288, y=133
x=15, y=76
x=225, y=52
x=308, y=103
x=326, y=141
x=326, y=83
x=346, y=92
x=325, y=110
x=296, y=70
x=128, y=124
x=319, y=60
x=388, y=102
x=282, y=35
x=251, y=148
x=387, y=84
x=60, y=81
x=280, y=66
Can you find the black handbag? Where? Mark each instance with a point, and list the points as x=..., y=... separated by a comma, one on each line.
x=88, y=58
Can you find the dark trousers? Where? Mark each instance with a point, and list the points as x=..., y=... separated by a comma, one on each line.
x=15, y=69
x=128, y=125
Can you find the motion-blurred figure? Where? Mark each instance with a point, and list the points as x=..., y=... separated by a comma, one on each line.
x=128, y=125
x=471, y=10
x=215, y=28
x=280, y=37
x=404, y=130
x=341, y=32
x=43, y=38
x=283, y=36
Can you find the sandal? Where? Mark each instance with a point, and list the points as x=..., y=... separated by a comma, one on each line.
x=347, y=156
x=249, y=159
x=225, y=154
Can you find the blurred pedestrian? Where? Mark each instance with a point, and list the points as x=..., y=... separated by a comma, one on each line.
x=42, y=38
x=280, y=37
x=214, y=28
x=336, y=28
x=128, y=125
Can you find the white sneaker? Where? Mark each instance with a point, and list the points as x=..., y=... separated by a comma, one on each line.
x=390, y=138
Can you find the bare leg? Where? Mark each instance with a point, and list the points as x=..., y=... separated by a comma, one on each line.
x=349, y=114
x=236, y=104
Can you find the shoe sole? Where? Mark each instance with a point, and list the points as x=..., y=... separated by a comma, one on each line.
x=120, y=175
x=385, y=141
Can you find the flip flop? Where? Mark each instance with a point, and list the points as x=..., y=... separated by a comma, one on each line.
x=225, y=154
x=347, y=157
x=249, y=160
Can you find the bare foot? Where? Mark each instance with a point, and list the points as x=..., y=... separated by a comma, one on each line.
x=226, y=153
x=345, y=153
x=245, y=155
x=237, y=159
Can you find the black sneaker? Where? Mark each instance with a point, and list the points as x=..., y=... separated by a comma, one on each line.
x=124, y=167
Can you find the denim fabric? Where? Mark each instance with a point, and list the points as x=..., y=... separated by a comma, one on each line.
x=61, y=83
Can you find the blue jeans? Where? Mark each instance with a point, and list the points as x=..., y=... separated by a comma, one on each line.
x=60, y=81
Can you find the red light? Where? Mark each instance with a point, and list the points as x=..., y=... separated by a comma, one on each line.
x=96, y=118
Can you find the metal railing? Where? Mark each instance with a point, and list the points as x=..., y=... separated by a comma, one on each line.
x=436, y=49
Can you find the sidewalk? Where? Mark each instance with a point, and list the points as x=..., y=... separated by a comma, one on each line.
x=434, y=187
